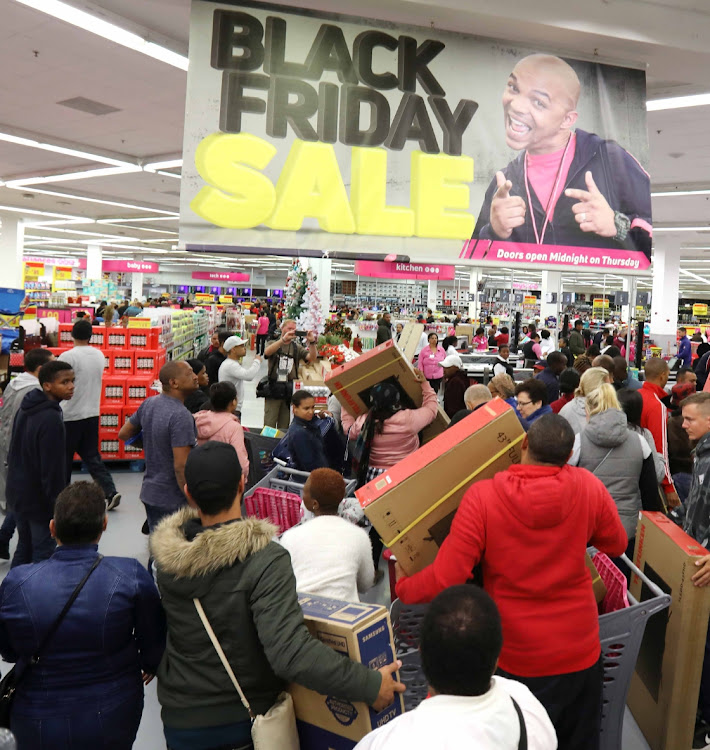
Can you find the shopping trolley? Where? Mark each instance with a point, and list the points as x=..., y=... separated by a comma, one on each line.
x=620, y=632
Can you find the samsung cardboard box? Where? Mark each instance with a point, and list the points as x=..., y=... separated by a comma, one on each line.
x=351, y=383
x=363, y=633
x=663, y=696
x=467, y=330
x=409, y=339
x=413, y=504
x=313, y=373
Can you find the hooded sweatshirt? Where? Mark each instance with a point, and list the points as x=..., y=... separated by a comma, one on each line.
x=575, y=412
x=400, y=433
x=545, y=597
x=226, y=428
x=615, y=455
x=246, y=586
x=37, y=470
x=12, y=398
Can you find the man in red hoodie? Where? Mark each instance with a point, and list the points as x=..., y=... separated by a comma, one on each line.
x=654, y=417
x=529, y=527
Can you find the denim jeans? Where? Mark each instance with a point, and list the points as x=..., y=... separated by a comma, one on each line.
x=83, y=438
x=34, y=542
x=154, y=515
x=8, y=528
x=105, y=725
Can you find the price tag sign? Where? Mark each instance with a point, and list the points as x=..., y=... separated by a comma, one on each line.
x=139, y=322
x=33, y=271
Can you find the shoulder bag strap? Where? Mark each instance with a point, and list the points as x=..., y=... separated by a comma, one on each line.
x=67, y=607
x=523, y=744
x=598, y=466
x=222, y=657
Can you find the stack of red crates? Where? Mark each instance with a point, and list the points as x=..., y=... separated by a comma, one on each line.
x=133, y=361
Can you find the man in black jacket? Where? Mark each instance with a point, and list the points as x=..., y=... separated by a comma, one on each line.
x=215, y=359
x=384, y=329
x=566, y=187
x=245, y=584
x=37, y=470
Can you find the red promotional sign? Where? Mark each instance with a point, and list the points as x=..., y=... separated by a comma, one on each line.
x=384, y=270
x=220, y=276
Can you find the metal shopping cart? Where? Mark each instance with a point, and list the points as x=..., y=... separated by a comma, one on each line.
x=620, y=633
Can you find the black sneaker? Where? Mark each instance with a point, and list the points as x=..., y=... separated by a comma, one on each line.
x=113, y=502
x=701, y=738
x=144, y=529
x=5, y=551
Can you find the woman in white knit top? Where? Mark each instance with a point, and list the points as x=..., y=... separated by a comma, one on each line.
x=330, y=556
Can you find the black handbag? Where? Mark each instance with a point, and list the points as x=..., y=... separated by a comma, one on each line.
x=9, y=683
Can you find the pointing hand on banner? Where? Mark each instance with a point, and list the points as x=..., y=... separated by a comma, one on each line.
x=507, y=211
x=592, y=213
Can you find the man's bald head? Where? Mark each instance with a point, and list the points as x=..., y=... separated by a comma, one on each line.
x=605, y=361
x=550, y=67
x=656, y=371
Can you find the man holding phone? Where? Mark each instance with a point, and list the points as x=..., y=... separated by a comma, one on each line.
x=283, y=357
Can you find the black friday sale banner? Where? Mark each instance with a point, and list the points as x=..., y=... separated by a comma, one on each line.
x=321, y=134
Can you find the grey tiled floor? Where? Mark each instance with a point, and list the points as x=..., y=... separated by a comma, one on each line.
x=123, y=537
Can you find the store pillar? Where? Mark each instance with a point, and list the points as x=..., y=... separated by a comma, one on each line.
x=431, y=294
x=94, y=262
x=12, y=237
x=136, y=286
x=322, y=268
x=551, y=289
x=664, y=300
x=628, y=285
x=474, y=304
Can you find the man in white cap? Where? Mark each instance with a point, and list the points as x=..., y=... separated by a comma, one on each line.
x=233, y=371
x=455, y=384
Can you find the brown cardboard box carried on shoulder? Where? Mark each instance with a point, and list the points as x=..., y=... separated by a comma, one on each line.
x=314, y=373
x=352, y=382
x=409, y=339
x=412, y=504
x=663, y=696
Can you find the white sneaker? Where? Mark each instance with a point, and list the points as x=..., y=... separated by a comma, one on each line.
x=113, y=502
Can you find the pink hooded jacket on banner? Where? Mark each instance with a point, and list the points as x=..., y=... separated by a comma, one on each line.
x=226, y=428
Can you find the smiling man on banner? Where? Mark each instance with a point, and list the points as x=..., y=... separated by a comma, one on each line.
x=566, y=187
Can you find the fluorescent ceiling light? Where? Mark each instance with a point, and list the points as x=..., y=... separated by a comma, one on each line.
x=59, y=222
x=677, y=193
x=706, y=228
x=88, y=199
x=68, y=176
x=138, y=219
x=9, y=138
x=678, y=102
x=695, y=276
x=169, y=164
x=112, y=32
x=33, y=212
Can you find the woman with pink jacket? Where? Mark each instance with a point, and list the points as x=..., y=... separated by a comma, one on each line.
x=429, y=361
x=221, y=424
x=389, y=434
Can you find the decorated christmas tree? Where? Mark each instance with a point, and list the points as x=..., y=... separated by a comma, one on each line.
x=296, y=286
x=311, y=317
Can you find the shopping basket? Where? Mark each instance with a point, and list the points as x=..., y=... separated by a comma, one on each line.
x=291, y=480
x=620, y=633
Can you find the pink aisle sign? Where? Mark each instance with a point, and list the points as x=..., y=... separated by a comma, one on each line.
x=385, y=270
x=125, y=266
x=556, y=255
x=220, y=276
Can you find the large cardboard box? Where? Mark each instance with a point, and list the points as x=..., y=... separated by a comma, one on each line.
x=664, y=687
x=314, y=373
x=363, y=633
x=351, y=383
x=409, y=339
x=413, y=504
x=465, y=329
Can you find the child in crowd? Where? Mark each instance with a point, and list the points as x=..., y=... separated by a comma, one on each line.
x=219, y=422
x=330, y=556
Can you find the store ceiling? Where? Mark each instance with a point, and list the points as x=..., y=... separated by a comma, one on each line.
x=45, y=62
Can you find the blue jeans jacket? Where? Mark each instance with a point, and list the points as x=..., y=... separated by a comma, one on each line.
x=115, y=628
